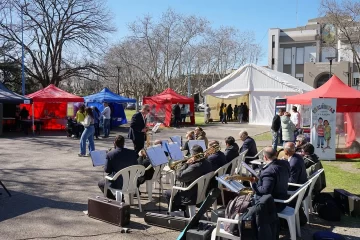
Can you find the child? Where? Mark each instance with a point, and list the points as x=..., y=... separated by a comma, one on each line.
x=327, y=133
x=320, y=133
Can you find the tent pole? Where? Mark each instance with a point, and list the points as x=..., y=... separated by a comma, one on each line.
x=33, y=125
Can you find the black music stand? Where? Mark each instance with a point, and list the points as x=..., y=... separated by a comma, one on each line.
x=7, y=191
x=157, y=157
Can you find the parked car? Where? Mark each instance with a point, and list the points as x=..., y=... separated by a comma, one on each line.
x=201, y=107
x=131, y=106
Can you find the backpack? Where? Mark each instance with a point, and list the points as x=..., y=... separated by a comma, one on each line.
x=324, y=235
x=326, y=207
x=234, y=209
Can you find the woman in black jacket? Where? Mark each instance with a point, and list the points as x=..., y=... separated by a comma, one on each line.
x=189, y=136
x=145, y=161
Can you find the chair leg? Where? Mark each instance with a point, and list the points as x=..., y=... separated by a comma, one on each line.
x=222, y=197
x=192, y=210
x=138, y=198
x=292, y=227
x=7, y=191
x=213, y=234
x=310, y=203
x=306, y=208
x=149, y=189
x=297, y=222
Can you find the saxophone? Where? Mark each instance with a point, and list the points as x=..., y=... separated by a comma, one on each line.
x=148, y=143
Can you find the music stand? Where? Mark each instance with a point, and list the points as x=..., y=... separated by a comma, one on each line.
x=7, y=191
x=157, y=157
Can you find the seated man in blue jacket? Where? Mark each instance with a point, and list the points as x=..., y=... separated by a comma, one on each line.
x=215, y=157
x=117, y=159
x=297, y=166
x=248, y=144
x=274, y=178
x=194, y=168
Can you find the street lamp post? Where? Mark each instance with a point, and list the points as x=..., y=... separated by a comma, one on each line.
x=118, y=80
x=22, y=52
x=330, y=60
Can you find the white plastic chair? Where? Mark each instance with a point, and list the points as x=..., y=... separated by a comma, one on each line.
x=219, y=231
x=260, y=155
x=155, y=178
x=307, y=202
x=221, y=171
x=241, y=158
x=291, y=215
x=130, y=176
x=202, y=185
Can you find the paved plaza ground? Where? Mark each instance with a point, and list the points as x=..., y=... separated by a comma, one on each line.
x=50, y=185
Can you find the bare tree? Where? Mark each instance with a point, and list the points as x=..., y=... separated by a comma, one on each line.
x=344, y=15
x=61, y=37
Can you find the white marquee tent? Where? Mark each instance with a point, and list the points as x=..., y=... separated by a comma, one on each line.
x=263, y=86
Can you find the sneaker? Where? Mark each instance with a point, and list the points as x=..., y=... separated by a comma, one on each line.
x=87, y=155
x=81, y=155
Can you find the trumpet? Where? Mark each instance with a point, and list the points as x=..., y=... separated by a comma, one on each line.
x=176, y=165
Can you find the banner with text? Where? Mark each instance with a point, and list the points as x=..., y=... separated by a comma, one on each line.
x=323, y=131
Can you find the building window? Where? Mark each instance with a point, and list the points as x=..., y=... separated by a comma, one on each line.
x=287, y=56
x=356, y=81
x=300, y=79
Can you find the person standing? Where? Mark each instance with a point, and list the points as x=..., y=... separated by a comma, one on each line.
x=183, y=113
x=287, y=127
x=79, y=118
x=24, y=115
x=229, y=113
x=177, y=115
x=221, y=115
x=138, y=129
x=88, y=133
x=106, y=114
x=236, y=112
x=224, y=111
x=275, y=128
x=246, y=113
x=96, y=114
x=207, y=111
x=296, y=119
x=241, y=112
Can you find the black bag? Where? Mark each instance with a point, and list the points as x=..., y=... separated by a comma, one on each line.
x=234, y=209
x=326, y=235
x=203, y=231
x=326, y=207
x=110, y=211
x=247, y=229
x=166, y=221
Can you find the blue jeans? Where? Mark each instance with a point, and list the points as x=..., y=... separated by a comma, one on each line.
x=275, y=139
x=88, y=134
x=320, y=140
x=106, y=127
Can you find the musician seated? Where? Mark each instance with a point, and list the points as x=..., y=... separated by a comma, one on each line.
x=189, y=136
x=299, y=143
x=194, y=168
x=145, y=161
x=309, y=156
x=201, y=135
x=117, y=159
x=214, y=156
x=231, y=150
x=273, y=178
x=248, y=144
x=297, y=166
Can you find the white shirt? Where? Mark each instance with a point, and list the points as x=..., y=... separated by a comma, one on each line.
x=88, y=121
x=295, y=118
x=106, y=112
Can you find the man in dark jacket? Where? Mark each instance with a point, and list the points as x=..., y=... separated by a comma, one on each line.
x=248, y=144
x=275, y=128
x=297, y=166
x=177, y=115
x=274, y=178
x=217, y=159
x=116, y=160
x=310, y=158
x=137, y=130
x=231, y=150
x=188, y=173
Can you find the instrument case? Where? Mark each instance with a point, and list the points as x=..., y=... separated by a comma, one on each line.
x=166, y=221
x=347, y=202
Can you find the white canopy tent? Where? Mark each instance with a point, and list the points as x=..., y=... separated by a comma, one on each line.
x=263, y=86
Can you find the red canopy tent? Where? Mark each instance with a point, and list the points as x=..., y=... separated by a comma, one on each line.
x=161, y=106
x=348, y=102
x=50, y=105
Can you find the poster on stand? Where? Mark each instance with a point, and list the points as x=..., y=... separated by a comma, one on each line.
x=323, y=127
x=280, y=103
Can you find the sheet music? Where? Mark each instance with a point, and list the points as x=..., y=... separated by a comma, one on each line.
x=175, y=152
x=156, y=156
x=176, y=139
x=156, y=127
x=98, y=157
x=232, y=185
x=252, y=171
x=201, y=143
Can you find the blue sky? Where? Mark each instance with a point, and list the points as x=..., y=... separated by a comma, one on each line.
x=255, y=15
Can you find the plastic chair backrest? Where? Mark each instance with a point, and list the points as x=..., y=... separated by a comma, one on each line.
x=313, y=178
x=130, y=176
x=300, y=194
x=241, y=158
x=157, y=171
x=222, y=170
x=202, y=183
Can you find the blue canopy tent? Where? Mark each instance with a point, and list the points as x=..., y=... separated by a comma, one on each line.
x=115, y=101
